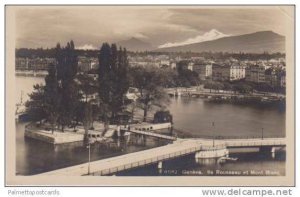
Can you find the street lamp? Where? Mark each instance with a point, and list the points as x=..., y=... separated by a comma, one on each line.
x=262, y=133
x=213, y=128
x=89, y=147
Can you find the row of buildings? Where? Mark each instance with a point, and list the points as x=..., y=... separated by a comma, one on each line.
x=270, y=72
x=33, y=64
x=41, y=64
x=257, y=73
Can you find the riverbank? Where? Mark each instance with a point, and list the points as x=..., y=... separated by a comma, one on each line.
x=42, y=132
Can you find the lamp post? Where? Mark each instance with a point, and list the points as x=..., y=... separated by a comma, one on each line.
x=213, y=128
x=89, y=147
x=262, y=133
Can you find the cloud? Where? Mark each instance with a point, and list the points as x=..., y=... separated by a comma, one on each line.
x=211, y=35
x=140, y=36
x=44, y=26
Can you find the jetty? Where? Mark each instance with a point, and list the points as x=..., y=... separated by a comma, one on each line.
x=222, y=94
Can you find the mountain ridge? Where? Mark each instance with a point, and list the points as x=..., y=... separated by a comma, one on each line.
x=135, y=44
x=213, y=34
x=257, y=42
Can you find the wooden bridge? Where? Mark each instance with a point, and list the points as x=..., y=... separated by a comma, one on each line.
x=178, y=148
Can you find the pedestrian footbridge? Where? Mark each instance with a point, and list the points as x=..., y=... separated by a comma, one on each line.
x=179, y=147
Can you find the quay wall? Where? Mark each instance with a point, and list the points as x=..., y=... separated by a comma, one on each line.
x=56, y=138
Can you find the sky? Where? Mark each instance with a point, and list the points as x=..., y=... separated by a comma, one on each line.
x=90, y=26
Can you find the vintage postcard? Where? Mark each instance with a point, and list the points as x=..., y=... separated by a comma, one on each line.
x=150, y=95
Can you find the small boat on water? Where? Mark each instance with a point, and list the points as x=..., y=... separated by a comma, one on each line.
x=95, y=136
x=144, y=126
x=20, y=112
x=224, y=159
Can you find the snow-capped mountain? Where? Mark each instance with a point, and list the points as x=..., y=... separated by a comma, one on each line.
x=86, y=47
x=258, y=42
x=208, y=36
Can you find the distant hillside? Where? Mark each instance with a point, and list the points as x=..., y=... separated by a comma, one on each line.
x=134, y=44
x=259, y=42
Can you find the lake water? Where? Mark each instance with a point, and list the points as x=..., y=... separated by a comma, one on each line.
x=192, y=116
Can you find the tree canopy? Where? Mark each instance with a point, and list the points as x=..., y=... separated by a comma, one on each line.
x=113, y=80
x=149, y=81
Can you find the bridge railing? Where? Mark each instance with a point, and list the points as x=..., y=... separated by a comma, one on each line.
x=190, y=134
x=259, y=143
x=147, y=161
x=150, y=133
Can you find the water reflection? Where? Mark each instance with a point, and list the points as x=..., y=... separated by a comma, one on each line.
x=207, y=161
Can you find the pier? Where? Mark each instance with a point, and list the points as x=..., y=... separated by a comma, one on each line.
x=206, y=94
x=178, y=148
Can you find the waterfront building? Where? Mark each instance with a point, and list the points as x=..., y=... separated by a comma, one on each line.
x=282, y=79
x=227, y=72
x=220, y=72
x=255, y=73
x=237, y=72
x=276, y=77
x=36, y=64
x=272, y=77
x=22, y=63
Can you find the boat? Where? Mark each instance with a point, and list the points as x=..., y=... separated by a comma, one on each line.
x=95, y=136
x=148, y=126
x=20, y=112
x=224, y=159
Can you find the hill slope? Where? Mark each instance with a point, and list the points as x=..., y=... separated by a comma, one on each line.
x=135, y=44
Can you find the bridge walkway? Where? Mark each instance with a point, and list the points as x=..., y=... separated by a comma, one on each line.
x=178, y=148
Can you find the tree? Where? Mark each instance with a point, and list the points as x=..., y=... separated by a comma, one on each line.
x=67, y=65
x=87, y=86
x=243, y=88
x=113, y=80
x=87, y=118
x=169, y=76
x=35, y=105
x=52, y=97
x=151, y=94
x=214, y=85
x=120, y=79
x=186, y=77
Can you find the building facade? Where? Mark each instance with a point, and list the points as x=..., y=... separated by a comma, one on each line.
x=228, y=72
x=255, y=73
x=34, y=64
x=275, y=77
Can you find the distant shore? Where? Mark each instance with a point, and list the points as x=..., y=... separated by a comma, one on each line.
x=31, y=73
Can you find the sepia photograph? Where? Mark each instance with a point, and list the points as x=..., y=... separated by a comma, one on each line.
x=150, y=95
